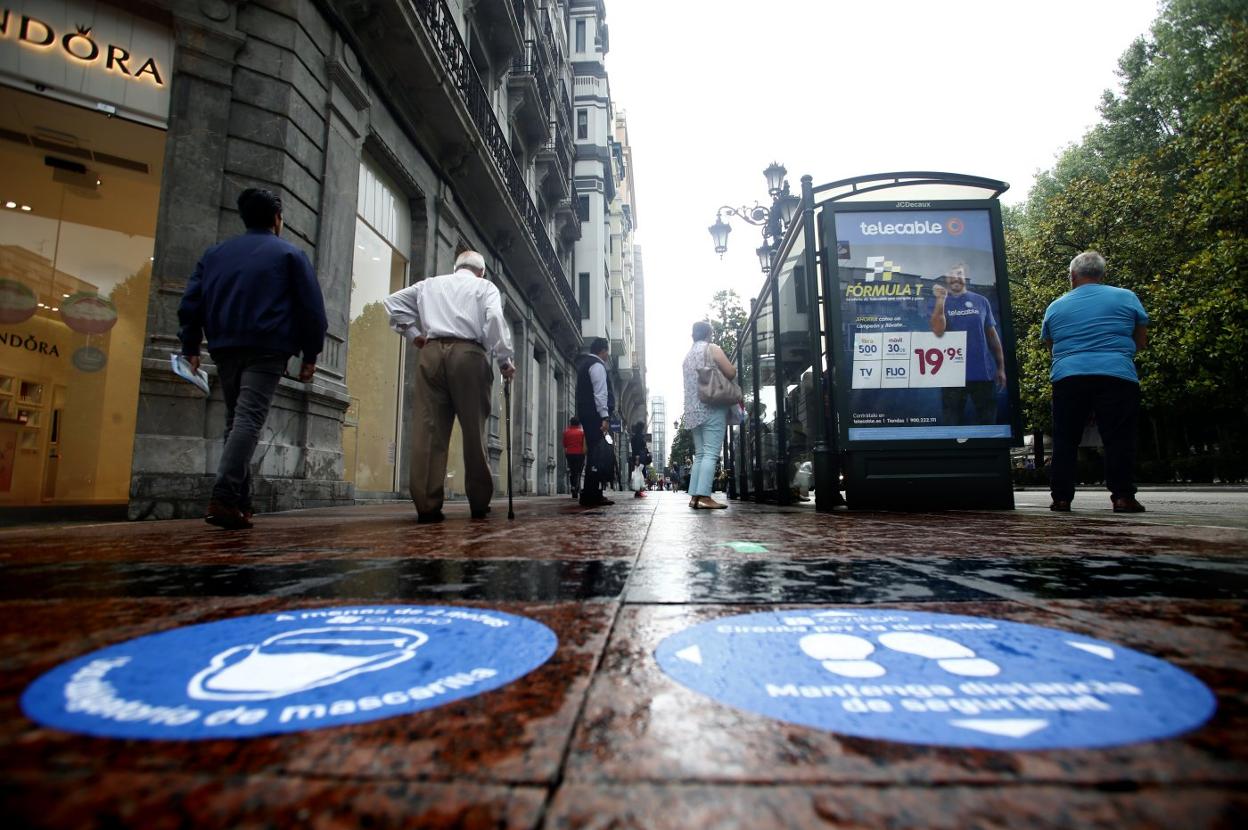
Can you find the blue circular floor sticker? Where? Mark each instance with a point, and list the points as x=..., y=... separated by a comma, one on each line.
x=936, y=679
x=288, y=671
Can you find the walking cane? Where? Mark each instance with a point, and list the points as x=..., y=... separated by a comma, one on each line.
x=511, y=514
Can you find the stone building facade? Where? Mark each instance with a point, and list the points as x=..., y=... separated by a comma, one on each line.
x=395, y=131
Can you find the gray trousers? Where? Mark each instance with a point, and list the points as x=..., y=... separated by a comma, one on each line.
x=248, y=378
x=453, y=380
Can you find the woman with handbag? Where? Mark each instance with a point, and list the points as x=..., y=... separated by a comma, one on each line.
x=710, y=394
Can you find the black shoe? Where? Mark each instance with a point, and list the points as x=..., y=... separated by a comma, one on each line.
x=225, y=516
x=429, y=518
x=481, y=514
x=1128, y=505
x=1060, y=506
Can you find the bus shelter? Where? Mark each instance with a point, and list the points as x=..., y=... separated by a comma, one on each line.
x=879, y=356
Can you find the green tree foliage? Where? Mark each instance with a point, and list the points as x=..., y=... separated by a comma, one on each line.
x=726, y=317
x=1160, y=187
x=682, y=445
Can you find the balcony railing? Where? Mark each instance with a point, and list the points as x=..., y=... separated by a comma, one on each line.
x=454, y=55
x=559, y=143
x=532, y=63
x=546, y=30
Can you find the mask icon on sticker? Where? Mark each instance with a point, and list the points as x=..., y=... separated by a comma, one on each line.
x=296, y=661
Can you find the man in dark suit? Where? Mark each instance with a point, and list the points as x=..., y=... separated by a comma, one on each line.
x=257, y=301
x=595, y=401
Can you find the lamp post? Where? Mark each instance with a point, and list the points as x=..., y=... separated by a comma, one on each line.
x=773, y=220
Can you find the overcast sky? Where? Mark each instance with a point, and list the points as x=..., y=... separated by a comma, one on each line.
x=715, y=90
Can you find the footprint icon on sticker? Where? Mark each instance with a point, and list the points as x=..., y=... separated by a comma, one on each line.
x=842, y=654
x=953, y=657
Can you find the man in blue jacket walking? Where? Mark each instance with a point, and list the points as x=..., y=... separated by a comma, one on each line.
x=257, y=301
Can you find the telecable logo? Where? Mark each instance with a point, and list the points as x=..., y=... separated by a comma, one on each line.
x=917, y=228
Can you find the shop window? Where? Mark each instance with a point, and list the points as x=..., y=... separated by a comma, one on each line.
x=76, y=242
x=371, y=427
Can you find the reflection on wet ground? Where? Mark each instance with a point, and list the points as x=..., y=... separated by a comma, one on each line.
x=768, y=581
x=1103, y=577
x=599, y=736
x=410, y=579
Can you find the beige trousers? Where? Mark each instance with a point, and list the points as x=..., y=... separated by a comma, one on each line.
x=453, y=380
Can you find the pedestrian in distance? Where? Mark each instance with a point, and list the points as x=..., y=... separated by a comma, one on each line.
x=637, y=459
x=1093, y=332
x=574, y=454
x=256, y=300
x=595, y=401
x=705, y=423
x=456, y=322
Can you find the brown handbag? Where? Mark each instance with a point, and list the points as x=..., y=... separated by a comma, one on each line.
x=713, y=388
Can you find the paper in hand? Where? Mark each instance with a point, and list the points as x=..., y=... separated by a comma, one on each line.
x=182, y=368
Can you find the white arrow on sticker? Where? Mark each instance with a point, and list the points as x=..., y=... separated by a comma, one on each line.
x=1017, y=728
x=693, y=654
x=1099, y=651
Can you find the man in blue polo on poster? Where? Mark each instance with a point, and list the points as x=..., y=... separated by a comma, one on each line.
x=956, y=309
x=920, y=318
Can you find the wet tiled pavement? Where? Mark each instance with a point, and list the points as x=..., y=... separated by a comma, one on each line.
x=599, y=736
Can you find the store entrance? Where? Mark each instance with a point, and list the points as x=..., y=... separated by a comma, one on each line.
x=78, y=208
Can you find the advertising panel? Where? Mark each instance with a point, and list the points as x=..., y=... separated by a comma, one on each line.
x=921, y=351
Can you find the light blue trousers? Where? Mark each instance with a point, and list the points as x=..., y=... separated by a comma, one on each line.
x=708, y=441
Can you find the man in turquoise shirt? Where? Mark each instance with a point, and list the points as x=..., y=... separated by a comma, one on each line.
x=1093, y=332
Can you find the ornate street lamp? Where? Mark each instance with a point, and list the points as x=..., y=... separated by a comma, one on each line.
x=788, y=205
x=764, y=257
x=775, y=173
x=773, y=220
x=719, y=232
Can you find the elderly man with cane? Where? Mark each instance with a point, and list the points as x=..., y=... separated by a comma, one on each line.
x=456, y=321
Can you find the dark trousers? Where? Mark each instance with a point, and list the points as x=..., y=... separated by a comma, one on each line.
x=983, y=395
x=595, y=479
x=248, y=379
x=454, y=379
x=1116, y=404
x=576, y=463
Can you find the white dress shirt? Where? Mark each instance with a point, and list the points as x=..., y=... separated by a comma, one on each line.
x=598, y=377
x=460, y=305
